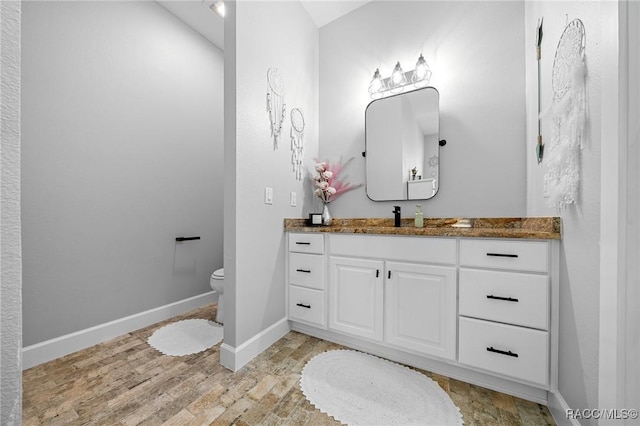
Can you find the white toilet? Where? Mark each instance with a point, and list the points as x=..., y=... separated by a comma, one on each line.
x=217, y=283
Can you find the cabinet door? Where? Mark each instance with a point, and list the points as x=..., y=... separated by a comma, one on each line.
x=355, y=292
x=420, y=308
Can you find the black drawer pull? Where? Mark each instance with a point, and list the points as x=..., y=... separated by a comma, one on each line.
x=501, y=255
x=306, y=271
x=389, y=275
x=303, y=243
x=506, y=299
x=377, y=273
x=187, y=238
x=302, y=305
x=498, y=351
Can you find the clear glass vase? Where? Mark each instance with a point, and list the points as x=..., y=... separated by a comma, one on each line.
x=326, y=215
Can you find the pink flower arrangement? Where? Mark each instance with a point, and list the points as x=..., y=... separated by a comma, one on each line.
x=328, y=186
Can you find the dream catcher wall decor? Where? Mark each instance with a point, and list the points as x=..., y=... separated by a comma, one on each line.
x=297, y=141
x=275, y=103
x=568, y=115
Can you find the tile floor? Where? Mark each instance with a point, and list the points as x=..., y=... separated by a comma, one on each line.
x=126, y=382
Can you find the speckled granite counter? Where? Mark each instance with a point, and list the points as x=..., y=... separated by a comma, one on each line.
x=544, y=228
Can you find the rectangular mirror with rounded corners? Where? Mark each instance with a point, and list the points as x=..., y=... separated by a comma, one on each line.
x=402, y=146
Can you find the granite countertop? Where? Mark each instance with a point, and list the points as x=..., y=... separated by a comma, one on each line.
x=544, y=228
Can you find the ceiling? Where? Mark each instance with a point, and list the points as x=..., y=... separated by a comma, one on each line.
x=323, y=12
x=198, y=15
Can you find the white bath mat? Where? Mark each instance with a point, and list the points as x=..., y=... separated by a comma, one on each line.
x=360, y=389
x=186, y=337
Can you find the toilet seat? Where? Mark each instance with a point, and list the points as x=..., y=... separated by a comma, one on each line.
x=218, y=274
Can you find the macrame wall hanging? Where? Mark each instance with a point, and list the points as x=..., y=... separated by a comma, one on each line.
x=297, y=141
x=568, y=119
x=275, y=103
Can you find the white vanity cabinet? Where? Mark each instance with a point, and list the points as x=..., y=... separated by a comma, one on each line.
x=306, y=276
x=408, y=304
x=504, y=308
x=420, y=308
x=356, y=296
x=481, y=310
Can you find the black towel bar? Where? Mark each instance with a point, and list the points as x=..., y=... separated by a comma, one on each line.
x=187, y=238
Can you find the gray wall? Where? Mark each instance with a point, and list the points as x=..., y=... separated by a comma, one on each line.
x=475, y=50
x=580, y=250
x=10, y=253
x=121, y=152
x=263, y=35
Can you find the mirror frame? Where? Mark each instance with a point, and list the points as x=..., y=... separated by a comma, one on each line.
x=438, y=141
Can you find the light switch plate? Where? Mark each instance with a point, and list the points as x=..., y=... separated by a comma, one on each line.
x=293, y=199
x=268, y=195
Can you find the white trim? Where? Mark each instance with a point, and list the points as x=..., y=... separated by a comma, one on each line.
x=631, y=350
x=559, y=407
x=613, y=208
x=10, y=226
x=60, y=346
x=235, y=358
x=554, y=341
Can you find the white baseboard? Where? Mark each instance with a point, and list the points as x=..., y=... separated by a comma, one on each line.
x=559, y=408
x=235, y=358
x=60, y=346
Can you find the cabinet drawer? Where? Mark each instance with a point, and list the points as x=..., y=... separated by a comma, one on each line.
x=404, y=249
x=306, y=243
x=306, y=305
x=306, y=270
x=517, y=352
x=515, y=298
x=502, y=254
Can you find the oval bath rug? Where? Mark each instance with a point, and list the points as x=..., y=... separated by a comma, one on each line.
x=186, y=337
x=360, y=389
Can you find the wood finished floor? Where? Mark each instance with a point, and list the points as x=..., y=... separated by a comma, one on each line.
x=126, y=382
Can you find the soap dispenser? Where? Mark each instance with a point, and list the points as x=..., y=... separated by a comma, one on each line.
x=419, y=216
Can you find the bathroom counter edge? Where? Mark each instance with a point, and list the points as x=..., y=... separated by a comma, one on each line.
x=545, y=228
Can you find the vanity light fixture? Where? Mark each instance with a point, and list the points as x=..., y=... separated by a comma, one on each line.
x=219, y=8
x=399, y=80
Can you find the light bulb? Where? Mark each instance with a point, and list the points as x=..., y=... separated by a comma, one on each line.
x=398, y=79
x=377, y=85
x=397, y=74
x=422, y=73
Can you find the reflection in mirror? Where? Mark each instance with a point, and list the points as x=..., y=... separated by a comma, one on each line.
x=402, y=146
